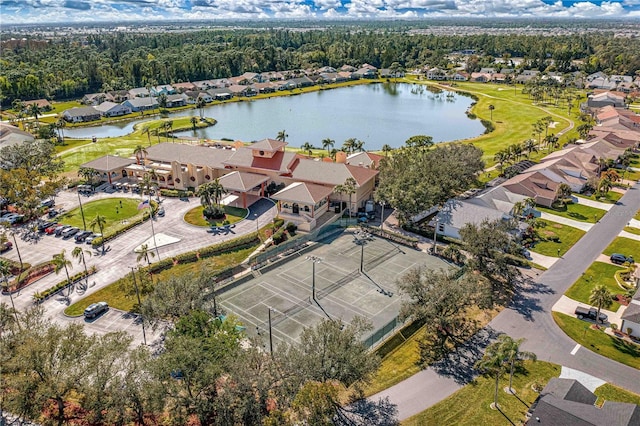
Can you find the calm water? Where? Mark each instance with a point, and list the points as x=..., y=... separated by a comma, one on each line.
x=377, y=114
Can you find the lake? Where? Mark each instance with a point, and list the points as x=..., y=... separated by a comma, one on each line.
x=377, y=114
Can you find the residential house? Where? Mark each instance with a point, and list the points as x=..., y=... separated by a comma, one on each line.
x=204, y=84
x=303, y=81
x=220, y=93
x=267, y=87
x=139, y=92
x=455, y=214
x=569, y=403
x=110, y=168
x=365, y=159
x=239, y=90
x=487, y=71
x=365, y=72
x=177, y=100
x=183, y=87
x=94, y=99
x=526, y=76
x=348, y=68
x=118, y=96
x=605, y=99
x=631, y=317
x=535, y=185
x=479, y=77
x=11, y=135
x=164, y=89
x=459, y=76
x=141, y=104
x=81, y=114
x=436, y=73
x=43, y=104
x=112, y=109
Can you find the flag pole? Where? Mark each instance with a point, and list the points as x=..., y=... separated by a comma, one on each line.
x=152, y=230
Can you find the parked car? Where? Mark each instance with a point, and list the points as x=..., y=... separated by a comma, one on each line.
x=590, y=313
x=620, y=258
x=95, y=309
x=82, y=235
x=61, y=229
x=7, y=245
x=92, y=237
x=161, y=211
x=47, y=203
x=52, y=229
x=42, y=226
x=70, y=232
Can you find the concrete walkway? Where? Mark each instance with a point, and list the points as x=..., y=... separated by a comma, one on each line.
x=587, y=380
x=568, y=306
x=541, y=259
x=585, y=226
x=634, y=223
x=629, y=235
x=591, y=203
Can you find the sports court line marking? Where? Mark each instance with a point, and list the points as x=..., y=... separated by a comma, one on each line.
x=578, y=346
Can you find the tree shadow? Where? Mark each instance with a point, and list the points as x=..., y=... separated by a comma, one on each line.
x=366, y=412
x=523, y=301
x=459, y=364
x=505, y=416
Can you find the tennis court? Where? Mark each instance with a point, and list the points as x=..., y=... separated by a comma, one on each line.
x=342, y=290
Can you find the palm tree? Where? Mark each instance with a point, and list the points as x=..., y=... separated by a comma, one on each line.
x=530, y=146
x=140, y=152
x=60, y=125
x=340, y=190
x=563, y=192
x=491, y=108
x=350, y=187
x=358, y=146
x=492, y=364
x=60, y=262
x=584, y=130
x=88, y=174
x=148, y=133
x=307, y=147
x=513, y=355
x=282, y=136
x=386, y=149
x=168, y=125
x=601, y=297
x=200, y=104
x=100, y=222
x=194, y=122
x=145, y=254
x=604, y=185
x=5, y=272
x=327, y=144
x=501, y=157
x=35, y=111
x=79, y=254
x=348, y=145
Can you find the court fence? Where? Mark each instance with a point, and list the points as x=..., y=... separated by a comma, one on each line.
x=382, y=333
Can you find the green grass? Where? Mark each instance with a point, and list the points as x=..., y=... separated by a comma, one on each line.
x=75, y=154
x=623, y=245
x=114, y=210
x=577, y=212
x=597, y=273
x=115, y=295
x=608, y=392
x=567, y=234
x=60, y=107
x=631, y=230
x=232, y=215
x=470, y=405
x=599, y=342
x=611, y=197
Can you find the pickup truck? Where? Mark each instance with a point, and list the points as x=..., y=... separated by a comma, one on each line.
x=590, y=313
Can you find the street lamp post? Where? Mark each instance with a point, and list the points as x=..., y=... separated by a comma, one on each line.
x=435, y=235
x=84, y=224
x=270, y=333
x=135, y=284
x=314, y=260
x=382, y=215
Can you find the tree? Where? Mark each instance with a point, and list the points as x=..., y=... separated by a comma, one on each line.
x=513, y=356
x=386, y=149
x=419, y=141
x=35, y=111
x=146, y=131
x=584, y=130
x=61, y=262
x=413, y=180
x=162, y=100
x=200, y=104
x=145, y=254
x=350, y=187
x=80, y=254
x=564, y=192
x=282, y=136
x=5, y=273
x=601, y=297
x=348, y=145
x=491, y=108
x=358, y=145
x=308, y=148
x=210, y=195
x=194, y=123
x=61, y=123
x=530, y=146
x=100, y=222
x=501, y=157
x=328, y=144
x=604, y=186
x=141, y=153
x=492, y=364
x=168, y=126
x=441, y=300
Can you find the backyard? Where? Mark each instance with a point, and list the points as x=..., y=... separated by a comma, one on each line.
x=597, y=273
x=555, y=239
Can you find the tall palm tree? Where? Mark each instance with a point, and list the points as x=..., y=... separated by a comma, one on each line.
x=350, y=187
x=604, y=185
x=200, y=104
x=148, y=133
x=145, y=254
x=60, y=125
x=492, y=364
x=584, y=130
x=491, y=108
x=530, y=146
x=100, y=222
x=79, y=254
x=601, y=297
x=194, y=123
x=327, y=144
x=35, y=111
x=348, y=145
x=140, y=152
x=282, y=136
x=307, y=147
x=61, y=262
x=340, y=190
x=386, y=149
x=501, y=157
x=168, y=125
x=358, y=146
x=217, y=191
x=5, y=272
x=513, y=355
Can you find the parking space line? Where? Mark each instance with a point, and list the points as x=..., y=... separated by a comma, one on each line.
x=578, y=346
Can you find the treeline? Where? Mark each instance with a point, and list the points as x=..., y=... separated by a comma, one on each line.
x=71, y=67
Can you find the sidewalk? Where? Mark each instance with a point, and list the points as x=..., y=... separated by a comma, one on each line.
x=585, y=226
x=542, y=260
x=629, y=235
x=591, y=203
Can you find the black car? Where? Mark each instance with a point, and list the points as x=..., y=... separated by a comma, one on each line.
x=82, y=235
x=620, y=258
x=44, y=225
x=590, y=313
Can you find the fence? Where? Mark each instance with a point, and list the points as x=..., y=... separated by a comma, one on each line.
x=379, y=335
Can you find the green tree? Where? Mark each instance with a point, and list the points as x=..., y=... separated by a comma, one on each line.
x=194, y=123
x=80, y=254
x=513, y=356
x=491, y=108
x=308, y=148
x=5, y=273
x=100, y=222
x=35, y=111
x=145, y=254
x=348, y=145
x=282, y=136
x=419, y=141
x=141, y=153
x=601, y=297
x=327, y=144
x=61, y=262
x=146, y=131
x=584, y=129
x=492, y=365
x=200, y=104
x=386, y=149
x=563, y=192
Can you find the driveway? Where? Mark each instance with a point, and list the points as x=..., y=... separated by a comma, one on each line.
x=592, y=203
x=529, y=317
x=585, y=226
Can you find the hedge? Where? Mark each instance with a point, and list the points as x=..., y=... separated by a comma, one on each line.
x=175, y=193
x=39, y=297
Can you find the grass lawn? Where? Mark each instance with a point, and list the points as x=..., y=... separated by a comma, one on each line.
x=623, y=245
x=470, y=405
x=567, y=234
x=111, y=208
x=232, y=215
x=597, y=273
x=74, y=154
x=631, y=230
x=599, y=342
x=115, y=295
x=611, y=197
x=577, y=212
x=608, y=392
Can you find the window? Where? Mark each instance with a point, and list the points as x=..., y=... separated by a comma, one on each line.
x=441, y=227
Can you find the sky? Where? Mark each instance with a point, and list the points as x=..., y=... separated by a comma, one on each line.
x=70, y=11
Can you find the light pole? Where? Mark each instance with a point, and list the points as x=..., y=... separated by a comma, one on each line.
x=84, y=224
x=255, y=217
x=314, y=260
x=382, y=215
x=135, y=284
x=435, y=235
x=270, y=333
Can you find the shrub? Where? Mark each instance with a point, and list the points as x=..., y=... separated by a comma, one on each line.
x=278, y=222
x=291, y=228
x=213, y=212
x=97, y=242
x=39, y=297
x=278, y=237
x=175, y=193
x=488, y=126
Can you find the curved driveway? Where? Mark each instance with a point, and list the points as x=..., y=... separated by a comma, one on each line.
x=529, y=317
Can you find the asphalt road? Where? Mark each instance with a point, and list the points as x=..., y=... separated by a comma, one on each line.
x=529, y=317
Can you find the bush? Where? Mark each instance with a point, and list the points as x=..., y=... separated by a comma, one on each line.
x=278, y=222
x=97, y=242
x=488, y=126
x=291, y=228
x=39, y=297
x=278, y=237
x=213, y=212
x=175, y=193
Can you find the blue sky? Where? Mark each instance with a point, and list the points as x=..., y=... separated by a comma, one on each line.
x=67, y=11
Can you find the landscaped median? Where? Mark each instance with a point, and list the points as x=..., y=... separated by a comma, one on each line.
x=53, y=290
x=232, y=215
